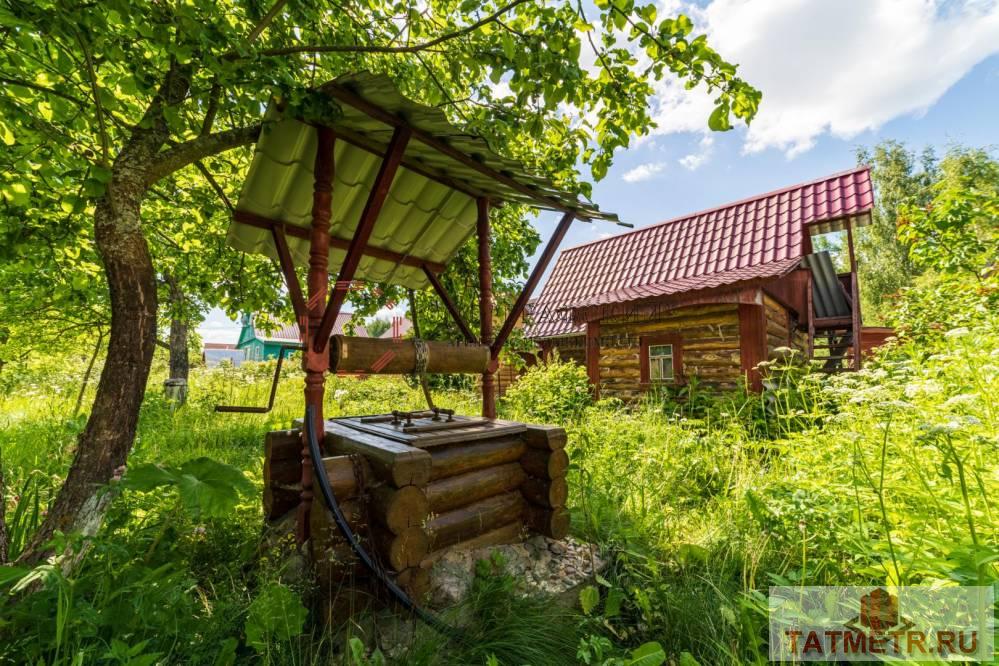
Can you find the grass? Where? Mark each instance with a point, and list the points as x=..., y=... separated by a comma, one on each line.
x=879, y=477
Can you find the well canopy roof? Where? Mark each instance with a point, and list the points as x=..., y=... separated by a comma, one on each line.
x=759, y=238
x=430, y=210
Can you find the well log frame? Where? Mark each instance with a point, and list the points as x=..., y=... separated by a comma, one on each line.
x=317, y=313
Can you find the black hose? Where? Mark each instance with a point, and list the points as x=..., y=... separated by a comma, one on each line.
x=319, y=471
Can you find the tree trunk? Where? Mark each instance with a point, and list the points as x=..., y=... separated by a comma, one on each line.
x=104, y=445
x=176, y=385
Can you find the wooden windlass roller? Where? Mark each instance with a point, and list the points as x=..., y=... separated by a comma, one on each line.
x=401, y=357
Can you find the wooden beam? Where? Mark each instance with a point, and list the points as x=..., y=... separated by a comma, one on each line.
x=290, y=278
x=810, y=307
x=532, y=282
x=261, y=222
x=593, y=356
x=452, y=308
x=359, y=140
x=752, y=342
x=315, y=360
x=854, y=297
x=372, y=208
x=486, y=304
x=352, y=99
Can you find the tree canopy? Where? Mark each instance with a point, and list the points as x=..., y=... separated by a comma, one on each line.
x=121, y=121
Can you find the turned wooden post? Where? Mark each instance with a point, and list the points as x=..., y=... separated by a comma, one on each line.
x=315, y=361
x=486, y=305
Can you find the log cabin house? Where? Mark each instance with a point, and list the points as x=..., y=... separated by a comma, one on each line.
x=711, y=294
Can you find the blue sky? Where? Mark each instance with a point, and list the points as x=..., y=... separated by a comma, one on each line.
x=834, y=76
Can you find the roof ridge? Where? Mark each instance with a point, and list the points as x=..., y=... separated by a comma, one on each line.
x=713, y=209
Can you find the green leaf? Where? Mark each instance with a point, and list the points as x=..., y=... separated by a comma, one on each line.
x=210, y=488
x=10, y=574
x=719, y=120
x=649, y=654
x=687, y=659
x=612, y=604
x=17, y=194
x=589, y=597
x=149, y=477
x=277, y=614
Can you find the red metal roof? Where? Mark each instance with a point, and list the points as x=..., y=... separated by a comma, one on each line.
x=289, y=332
x=756, y=238
x=399, y=328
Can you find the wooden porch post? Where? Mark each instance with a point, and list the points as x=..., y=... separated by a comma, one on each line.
x=315, y=361
x=854, y=296
x=752, y=342
x=486, y=304
x=593, y=356
x=811, y=316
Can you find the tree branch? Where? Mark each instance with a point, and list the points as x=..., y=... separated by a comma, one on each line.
x=51, y=91
x=215, y=184
x=372, y=48
x=92, y=75
x=212, y=108
x=265, y=21
x=207, y=145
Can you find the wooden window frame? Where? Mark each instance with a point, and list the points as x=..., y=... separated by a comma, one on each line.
x=647, y=341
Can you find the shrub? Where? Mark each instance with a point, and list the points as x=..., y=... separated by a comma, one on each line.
x=555, y=391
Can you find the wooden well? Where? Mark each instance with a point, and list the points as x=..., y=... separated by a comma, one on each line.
x=414, y=487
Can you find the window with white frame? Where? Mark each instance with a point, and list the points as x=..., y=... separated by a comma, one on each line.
x=661, y=363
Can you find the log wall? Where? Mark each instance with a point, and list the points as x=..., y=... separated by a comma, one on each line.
x=569, y=348
x=410, y=506
x=709, y=337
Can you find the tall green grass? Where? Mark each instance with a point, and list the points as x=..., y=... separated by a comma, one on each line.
x=883, y=476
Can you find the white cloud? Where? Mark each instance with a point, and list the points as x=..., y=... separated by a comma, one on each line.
x=694, y=161
x=643, y=172
x=834, y=67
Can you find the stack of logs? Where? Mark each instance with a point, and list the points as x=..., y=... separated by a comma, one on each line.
x=410, y=506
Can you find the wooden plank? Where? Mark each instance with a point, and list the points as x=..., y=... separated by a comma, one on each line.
x=361, y=141
x=451, y=460
x=593, y=356
x=532, y=282
x=398, y=509
x=395, y=463
x=682, y=311
x=545, y=464
x=475, y=519
x=453, y=492
x=452, y=308
x=512, y=532
x=486, y=304
x=403, y=549
x=549, y=438
x=262, y=222
x=365, y=225
x=549, y=493
x=314, y=359
x=359, y=103
x=416, y=581
x=553, y=523
x=753, y=343
x=290, y=277
x=347, y=475
x=855, y=322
